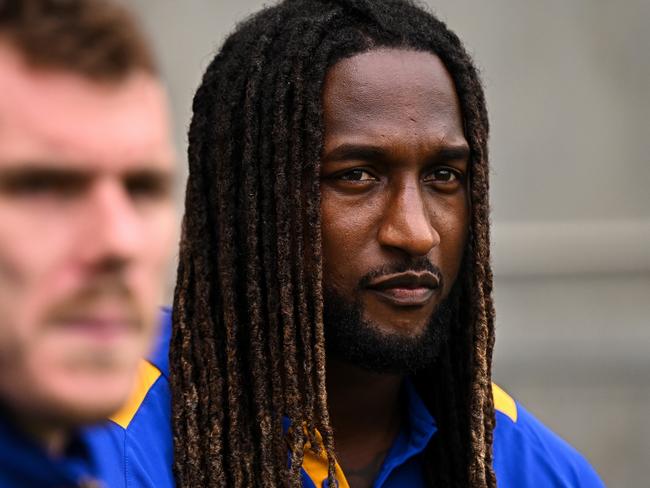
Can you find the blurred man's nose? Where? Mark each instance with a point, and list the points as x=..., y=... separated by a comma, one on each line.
x=112, y=223
x=407, y=226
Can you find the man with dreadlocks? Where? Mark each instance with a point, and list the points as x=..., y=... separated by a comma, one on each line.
x=333, y=321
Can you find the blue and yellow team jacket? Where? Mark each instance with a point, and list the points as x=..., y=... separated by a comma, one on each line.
x=134, y=450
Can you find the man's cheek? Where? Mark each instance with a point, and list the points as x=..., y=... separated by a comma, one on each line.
x=153, y=266
x=10, y=345
x=11, y=276
x=16, y=324
x=335, y=277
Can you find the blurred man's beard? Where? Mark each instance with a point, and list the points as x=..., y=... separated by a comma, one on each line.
x=351, y=338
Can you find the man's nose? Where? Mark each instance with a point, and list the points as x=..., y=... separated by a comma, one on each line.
x=407, y=225
x=112, y=223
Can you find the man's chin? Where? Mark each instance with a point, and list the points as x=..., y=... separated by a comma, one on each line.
x=84, y=407
x=399, y=329
x=384, y=354
x=83, y=396
x=365, y=344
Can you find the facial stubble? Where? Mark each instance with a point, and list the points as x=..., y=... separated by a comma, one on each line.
x=351, y=338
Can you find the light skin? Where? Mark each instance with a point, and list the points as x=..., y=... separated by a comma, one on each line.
x=395, y=174
x=86, y=228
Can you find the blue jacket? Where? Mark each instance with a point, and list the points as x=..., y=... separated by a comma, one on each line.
x=134, y=449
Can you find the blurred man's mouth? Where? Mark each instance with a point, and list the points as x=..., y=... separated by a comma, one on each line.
x=98, y=327
x=409, y=289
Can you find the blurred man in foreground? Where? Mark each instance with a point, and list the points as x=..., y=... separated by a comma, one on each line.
x=86, y=223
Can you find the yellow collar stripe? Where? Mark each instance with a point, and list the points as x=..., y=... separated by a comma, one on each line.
x=146, y=377
x=316, y=466
x=504, y=403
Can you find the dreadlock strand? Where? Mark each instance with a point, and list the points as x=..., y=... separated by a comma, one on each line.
x=284, y=202
x=187, y=403
x=273, y=337
x=238, y=458
x=311, y=35
x=186, y=406
x=271, y=266
x=251, y=191
x=484, y=276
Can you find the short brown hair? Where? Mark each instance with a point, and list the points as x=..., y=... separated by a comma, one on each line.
x=99, y=39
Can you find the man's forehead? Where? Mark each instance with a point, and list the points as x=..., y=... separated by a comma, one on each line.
x=392, y=93
x=50, y=115
x=390, y=77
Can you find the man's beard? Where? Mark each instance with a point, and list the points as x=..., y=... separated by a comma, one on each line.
x=351, y=338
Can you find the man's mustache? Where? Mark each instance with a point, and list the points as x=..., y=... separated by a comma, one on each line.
x=417, y=265
x=86, y=300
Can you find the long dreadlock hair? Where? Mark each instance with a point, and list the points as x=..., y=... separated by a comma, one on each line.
x=248, y=342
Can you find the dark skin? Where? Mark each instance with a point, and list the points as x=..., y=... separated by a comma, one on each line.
x=395, y=170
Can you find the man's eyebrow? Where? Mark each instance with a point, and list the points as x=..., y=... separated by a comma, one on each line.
x=355, y=151
x=153, y=173
x=453, y=153
x=369, y=152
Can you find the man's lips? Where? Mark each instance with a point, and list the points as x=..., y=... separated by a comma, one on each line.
x=406, y=289
x=97, y=327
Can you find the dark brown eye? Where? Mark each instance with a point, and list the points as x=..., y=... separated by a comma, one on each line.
x=442, y=175
x=148, y=185
x=32, y=182
x=357, y=175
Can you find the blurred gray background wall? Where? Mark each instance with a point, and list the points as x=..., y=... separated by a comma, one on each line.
x=568, y=89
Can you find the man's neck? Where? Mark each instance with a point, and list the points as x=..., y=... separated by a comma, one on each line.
x=366, y=414
x=54, y=439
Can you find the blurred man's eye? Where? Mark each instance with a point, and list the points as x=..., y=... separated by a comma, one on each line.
x=41, y=182
x=149, y=185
